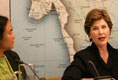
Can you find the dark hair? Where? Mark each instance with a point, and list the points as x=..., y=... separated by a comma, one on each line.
x=94, y=15
x=3, y=22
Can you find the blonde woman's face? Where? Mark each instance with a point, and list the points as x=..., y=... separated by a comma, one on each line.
x=99, y=32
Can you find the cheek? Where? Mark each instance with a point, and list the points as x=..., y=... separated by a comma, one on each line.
x=92, y=34
x=108, y=33
x=6, y=45
x=5, y=42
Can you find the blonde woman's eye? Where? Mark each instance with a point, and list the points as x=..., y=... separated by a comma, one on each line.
x=103, y=27
x=95, y=28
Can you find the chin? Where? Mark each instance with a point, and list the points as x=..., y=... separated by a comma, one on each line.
x=102, y=44
x=10, y=48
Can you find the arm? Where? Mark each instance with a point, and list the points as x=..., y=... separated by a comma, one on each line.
x=74, y=71
x=80, y=67
x=12, y=58
x=16, y=56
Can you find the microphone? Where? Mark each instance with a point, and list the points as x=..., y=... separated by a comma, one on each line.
x=98, y=75
x=21, y=62
x=94, y=67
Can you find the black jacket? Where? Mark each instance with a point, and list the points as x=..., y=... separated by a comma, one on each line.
x=81, y=68
x=13, y=60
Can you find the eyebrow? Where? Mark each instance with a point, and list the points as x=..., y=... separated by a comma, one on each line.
x=94, y=26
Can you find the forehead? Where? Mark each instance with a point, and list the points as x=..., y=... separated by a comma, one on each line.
x=8, y=26
x=99, y=22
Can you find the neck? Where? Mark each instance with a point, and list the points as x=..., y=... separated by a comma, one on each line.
x=102, y=48
x=104, y=53
x=1, y=54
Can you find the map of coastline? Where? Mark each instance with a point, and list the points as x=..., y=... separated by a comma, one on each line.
x=40, y=8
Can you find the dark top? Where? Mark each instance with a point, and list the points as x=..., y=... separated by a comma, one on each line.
x=12, y=58
x=81, y=68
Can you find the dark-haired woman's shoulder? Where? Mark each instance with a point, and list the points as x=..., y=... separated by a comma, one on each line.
x=12, y=54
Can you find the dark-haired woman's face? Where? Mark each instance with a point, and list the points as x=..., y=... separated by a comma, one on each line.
x=7, y=42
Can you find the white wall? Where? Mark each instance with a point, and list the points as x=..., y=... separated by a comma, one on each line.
x=4, y=8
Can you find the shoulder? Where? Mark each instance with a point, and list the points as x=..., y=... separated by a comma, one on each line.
x=85, y=53
x=11, y=53
x=112, y=50
x=116, y=50
x=114, y=53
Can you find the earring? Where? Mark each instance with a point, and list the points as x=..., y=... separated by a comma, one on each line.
x=90, y=38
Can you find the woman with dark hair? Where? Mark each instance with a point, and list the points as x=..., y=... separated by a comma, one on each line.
x=99, y=59
x=8, y=63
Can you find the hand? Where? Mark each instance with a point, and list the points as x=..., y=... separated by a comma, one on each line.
x=87, y=79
